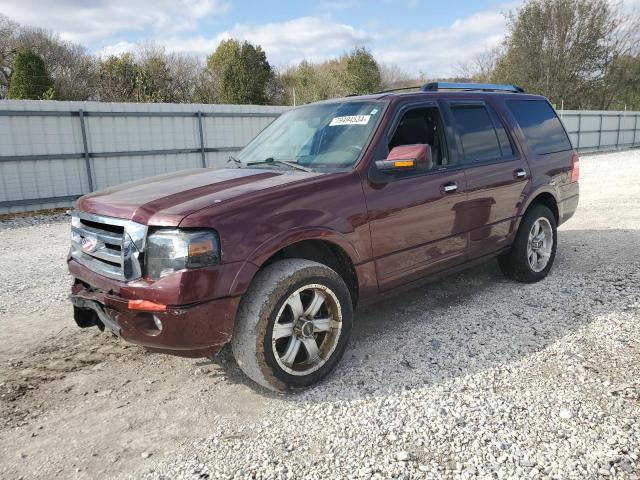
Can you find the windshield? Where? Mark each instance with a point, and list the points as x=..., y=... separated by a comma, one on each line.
x=320, y=136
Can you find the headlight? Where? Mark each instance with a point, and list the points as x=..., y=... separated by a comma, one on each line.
x=169, y=251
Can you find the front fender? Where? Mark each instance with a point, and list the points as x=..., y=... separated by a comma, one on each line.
x=262, y=253
x=276, y=243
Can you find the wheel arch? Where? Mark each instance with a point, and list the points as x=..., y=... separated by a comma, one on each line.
x=548, y=199
x=326, y=247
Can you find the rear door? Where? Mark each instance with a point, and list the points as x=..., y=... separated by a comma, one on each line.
x=497, y=175
x=413, y=214
x=548, y=149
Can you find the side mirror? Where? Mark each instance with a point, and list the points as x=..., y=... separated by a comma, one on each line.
x=407, y=157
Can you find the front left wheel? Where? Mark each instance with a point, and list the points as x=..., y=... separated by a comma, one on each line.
x=293, y=324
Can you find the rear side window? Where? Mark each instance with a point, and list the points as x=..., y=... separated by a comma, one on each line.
x=481, y=132
x=540, y=125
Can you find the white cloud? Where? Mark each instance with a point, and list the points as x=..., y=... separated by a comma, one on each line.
x=116, y=49
x=437, y=51
x=311, y=38
x=97, y=21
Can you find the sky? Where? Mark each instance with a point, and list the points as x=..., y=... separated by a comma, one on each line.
x=420, y=36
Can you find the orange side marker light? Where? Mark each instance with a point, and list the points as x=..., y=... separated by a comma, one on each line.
x=146, y=306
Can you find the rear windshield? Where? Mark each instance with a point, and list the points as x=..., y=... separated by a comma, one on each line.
x=541, y=126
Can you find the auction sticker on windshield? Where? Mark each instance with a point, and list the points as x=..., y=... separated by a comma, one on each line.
x=350, y=120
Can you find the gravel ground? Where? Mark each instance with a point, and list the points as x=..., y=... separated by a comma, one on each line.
x=472, y=377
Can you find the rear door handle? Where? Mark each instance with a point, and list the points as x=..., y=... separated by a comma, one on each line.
x=450, y=187
x=520, y=173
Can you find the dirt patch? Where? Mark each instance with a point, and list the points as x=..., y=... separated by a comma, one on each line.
x=27, y=375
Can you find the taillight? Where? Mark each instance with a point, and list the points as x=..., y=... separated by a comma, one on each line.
x=575, y=167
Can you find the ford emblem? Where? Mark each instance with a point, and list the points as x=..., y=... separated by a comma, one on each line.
x=89, y=244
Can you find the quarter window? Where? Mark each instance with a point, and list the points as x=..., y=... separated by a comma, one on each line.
x=482, y=134
x=540, y=125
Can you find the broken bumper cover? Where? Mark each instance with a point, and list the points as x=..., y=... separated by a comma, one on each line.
x=199, y=330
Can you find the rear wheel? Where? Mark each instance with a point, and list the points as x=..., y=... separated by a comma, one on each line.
x=534, y=248
x=293, y=324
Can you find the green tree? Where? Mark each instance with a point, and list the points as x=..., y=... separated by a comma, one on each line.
x=117, y=78
x=153, y=80
x=313, y=82
x=362, y=73
x=356, y=72
x=29, y=79
x=242, y=72
x=622, y=83
x=562, y=49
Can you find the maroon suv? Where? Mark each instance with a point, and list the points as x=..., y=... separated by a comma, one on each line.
x=331, y=205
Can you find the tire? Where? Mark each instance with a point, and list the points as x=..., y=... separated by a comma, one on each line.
x=282, y=299
x=519, y=263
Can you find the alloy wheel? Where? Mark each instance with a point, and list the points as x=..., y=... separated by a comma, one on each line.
x=307, y=329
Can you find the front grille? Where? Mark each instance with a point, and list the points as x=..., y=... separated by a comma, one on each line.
x=111, y=247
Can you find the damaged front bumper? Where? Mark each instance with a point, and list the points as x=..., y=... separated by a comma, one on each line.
x=199, y=330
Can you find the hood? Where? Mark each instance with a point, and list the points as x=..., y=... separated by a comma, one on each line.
x=166, y=199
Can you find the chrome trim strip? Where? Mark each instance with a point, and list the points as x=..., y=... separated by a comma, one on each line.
x=105, y=237
x=121, y=222
x=95, y=265
x=109, y=255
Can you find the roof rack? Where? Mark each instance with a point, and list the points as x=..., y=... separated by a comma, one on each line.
x=414, y=87
x=484, y=87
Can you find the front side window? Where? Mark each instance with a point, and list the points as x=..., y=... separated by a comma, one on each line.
x=540, y=125
x=422, y=126
x=321, y=136
x=481, y=133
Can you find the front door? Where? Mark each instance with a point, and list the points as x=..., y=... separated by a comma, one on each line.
x=412, y=215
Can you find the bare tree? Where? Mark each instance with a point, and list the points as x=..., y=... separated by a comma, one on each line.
x=8, y=32
x=480, y=66
x=167, y=76
x=185, y=72
x=206, y=87
x=392, y=76
x=71, y=67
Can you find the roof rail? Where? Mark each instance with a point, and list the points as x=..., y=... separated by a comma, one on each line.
x=414, y=87
x=484, y=87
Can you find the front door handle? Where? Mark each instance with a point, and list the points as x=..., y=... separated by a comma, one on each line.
x=450, y=187
x=520, y=173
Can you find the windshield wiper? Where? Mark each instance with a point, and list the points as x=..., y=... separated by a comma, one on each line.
x=283, y=162
x=235, y=160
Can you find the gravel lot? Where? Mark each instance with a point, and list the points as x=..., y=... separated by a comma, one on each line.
x=474, y=376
